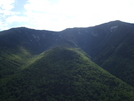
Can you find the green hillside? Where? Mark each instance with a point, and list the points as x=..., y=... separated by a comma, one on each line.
x=12, y=61
x=40, y=65
x=64, y=74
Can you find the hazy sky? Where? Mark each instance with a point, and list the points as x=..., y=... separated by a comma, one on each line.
x=60, y=14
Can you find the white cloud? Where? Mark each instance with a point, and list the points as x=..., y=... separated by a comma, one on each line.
x=77, y=13
x=61, y=14
x=8, y=17
x=16, y=18
x=7, y=5
x=57, y=16
x=5, y=10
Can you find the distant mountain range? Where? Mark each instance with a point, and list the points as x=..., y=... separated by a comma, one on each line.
x=76, y=64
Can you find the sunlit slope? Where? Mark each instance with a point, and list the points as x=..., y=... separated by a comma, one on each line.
x=19, y=48
x=65, y=74
x=12, y=61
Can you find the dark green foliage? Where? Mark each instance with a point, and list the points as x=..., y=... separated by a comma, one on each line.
x=64, y=74
x=116, y=54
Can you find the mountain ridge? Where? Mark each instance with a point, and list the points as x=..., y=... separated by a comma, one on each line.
x=109, y=45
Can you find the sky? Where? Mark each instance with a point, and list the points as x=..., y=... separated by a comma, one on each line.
x=57, y=15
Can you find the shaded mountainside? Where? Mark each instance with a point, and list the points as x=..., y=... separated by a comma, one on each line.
x=32, y=40
x=110, y=45
x=40, y=64
x=65, y=74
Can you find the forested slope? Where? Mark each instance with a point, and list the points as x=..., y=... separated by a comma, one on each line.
x=65, y=74
x=73, y=64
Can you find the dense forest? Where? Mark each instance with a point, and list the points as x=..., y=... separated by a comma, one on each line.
x=78, y=64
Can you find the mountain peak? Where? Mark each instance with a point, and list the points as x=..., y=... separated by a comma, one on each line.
x=73, y=64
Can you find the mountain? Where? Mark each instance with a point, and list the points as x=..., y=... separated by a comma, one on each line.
x=65, y=74
x=110, y=45
x=73, y=64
